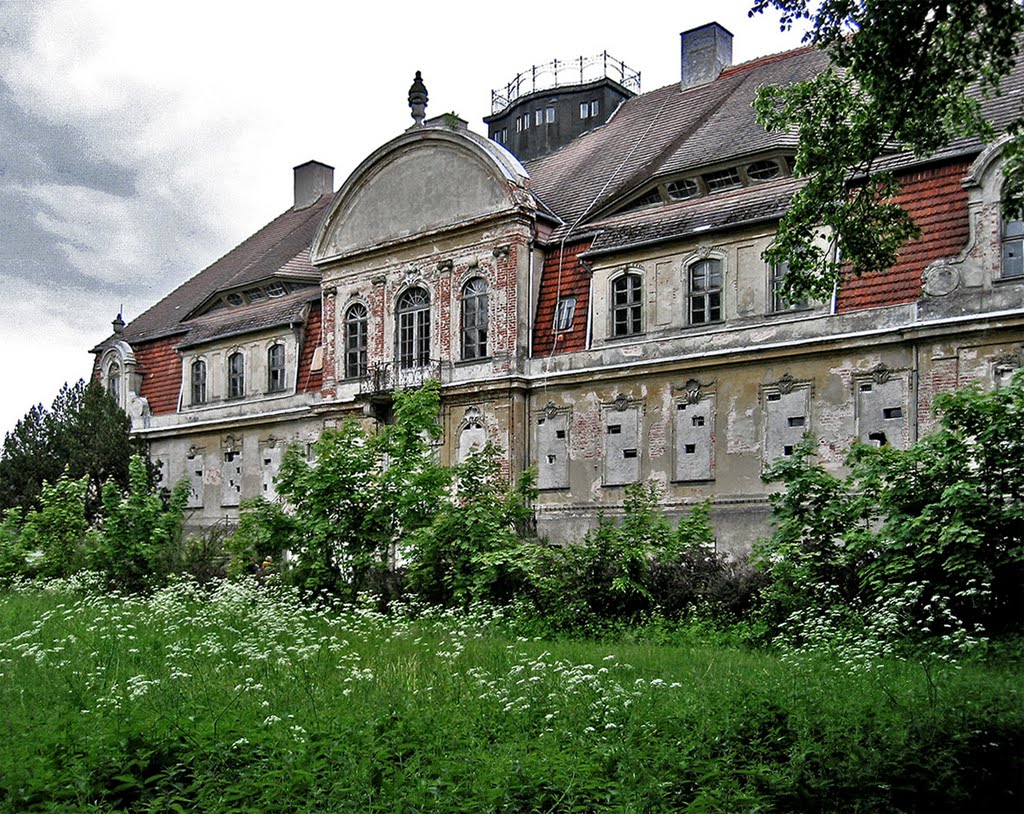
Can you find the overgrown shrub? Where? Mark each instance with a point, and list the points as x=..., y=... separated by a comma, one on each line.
x=54, y=534
x=469, y=551
x=139, y=542
x=344, y=516
x=914, y=545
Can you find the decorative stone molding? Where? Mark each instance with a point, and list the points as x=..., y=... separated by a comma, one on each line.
x=881, y=374
x=786, y=383
x=502, y=251
x=940, y=278
x=445, y=265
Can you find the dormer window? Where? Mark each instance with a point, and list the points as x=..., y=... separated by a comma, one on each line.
x=723, y=179
x=234, y=299
x=648, y=198
x=276, y=290
x=114, y=381
x=763, y=170
x=199, y=382
x=681, y=190
x=255, y=294
x=275, y=369
x=627, y=305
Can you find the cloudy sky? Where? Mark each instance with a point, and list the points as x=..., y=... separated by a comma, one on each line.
x=140, y=141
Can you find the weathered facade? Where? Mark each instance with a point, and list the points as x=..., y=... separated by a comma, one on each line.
x=601, y=312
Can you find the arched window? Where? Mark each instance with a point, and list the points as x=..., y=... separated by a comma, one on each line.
x=114, y=381
x=199, y=382
x=1013, y=248
x=474, y=319
x=706, y=292
x=413, y=313
x=275, y=368
x=236, y=376
x=627, y=305
x=355, y=341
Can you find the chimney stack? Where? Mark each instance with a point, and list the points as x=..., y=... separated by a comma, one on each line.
x=312, y=180
x=706, y=51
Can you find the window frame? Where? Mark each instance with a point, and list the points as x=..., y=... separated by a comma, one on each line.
x=475, y=322
x=236, y=375
x=276, y=368
x=626, y=304
x=705, y=299
x=1008, y=240
x=197, y=381
x=412, y=329
x=776, y=274
x=565, y=313
x=356, y=317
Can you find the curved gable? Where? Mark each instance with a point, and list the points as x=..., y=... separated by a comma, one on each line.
x=425, y=180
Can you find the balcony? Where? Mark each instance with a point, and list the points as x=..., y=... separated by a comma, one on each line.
x=385, y=377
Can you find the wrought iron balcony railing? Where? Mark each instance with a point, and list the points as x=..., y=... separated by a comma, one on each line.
x=563, y=72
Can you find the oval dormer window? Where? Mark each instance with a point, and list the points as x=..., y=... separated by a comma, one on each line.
x=763, y=170
x=235, y=299
x=681, y=190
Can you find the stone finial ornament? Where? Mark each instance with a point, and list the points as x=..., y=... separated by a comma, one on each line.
x=418, y=100
x=118, y=323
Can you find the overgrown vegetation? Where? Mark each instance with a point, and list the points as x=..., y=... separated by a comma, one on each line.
x=84, y=433
x=916, y=547
x=908, y=76
x=379, y=648
x=250, y=699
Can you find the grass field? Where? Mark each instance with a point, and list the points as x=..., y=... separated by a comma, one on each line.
x=246, y=700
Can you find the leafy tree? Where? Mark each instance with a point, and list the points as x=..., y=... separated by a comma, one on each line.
x=899, y=79
x=84, y=432
x=344, y=516
x=470, y=549
x=140, y=538
x=57, y=529
x=935, y=530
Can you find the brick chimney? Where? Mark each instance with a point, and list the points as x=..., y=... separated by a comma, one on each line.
x=706, y=51
x=312, y=180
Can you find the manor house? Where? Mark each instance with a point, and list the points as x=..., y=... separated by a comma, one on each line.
x=587, y=284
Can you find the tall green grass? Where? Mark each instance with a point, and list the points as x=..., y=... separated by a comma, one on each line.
x=246, y=700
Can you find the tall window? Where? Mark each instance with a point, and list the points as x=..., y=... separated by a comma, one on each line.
x=1013, y=248
x=706, y=292
x=114, y=381
x=474, y=319
x=413, y=314
x=199, y=382
x=627, y=306
x=356, y=323
x=275, y=369
x=780, y=303
x=564, y=312
x=236, y=376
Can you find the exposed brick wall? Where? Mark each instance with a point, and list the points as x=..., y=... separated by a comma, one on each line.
x=310, y=381
x=937, y=202
x=571, y=280
x=160, y=366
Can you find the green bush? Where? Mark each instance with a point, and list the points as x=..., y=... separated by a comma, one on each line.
x=913, y=546
x=55, y=533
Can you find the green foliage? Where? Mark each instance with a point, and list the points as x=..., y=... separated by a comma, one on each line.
x=642, y=568
x=344, y=516
x=56, y=531
x=470, y=550
x=141, y=534
x=243, y=698
x=13, y=556
x=915, y=543
x=899, y=79
x=84, y=433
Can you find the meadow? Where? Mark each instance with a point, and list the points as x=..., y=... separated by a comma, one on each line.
x=242, y=698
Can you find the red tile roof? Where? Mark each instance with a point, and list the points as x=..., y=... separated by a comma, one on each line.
x=937, y=201
x=563, y=275
x=309, y=381
x=160, y=366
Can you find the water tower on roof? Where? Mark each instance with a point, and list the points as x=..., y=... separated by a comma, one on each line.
x=549, y=105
